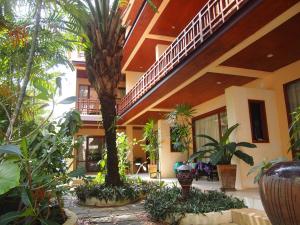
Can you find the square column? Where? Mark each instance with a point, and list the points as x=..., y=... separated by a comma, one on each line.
x=167, y=159
x=129, y=133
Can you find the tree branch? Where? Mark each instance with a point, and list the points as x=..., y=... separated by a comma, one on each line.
x=27, y=73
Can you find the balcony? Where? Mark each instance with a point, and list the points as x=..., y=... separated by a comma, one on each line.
x=212, y=15
x=88, y=106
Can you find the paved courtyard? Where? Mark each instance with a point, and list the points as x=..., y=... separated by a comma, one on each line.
x=132, y=214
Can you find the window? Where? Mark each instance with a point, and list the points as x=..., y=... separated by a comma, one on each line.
x=212, y=124
x=84, y=91
x=91, y=153
x=258, y=121
x=292, y=94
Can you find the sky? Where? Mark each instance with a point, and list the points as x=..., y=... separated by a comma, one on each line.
x=68, y=90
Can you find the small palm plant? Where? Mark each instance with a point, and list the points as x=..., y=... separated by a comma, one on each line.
x=180, y=123
x=151, y=139
x=221, y=152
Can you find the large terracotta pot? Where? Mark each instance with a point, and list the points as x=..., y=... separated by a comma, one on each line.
x=279, y=190
x=152, y=170
x=227, y=177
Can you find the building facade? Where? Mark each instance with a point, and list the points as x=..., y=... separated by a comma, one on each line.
x=233, y=61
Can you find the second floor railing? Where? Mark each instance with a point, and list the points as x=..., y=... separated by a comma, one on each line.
x=88, y=106
x=211, y=16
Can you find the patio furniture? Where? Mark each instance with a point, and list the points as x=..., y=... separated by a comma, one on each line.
x=206, y=169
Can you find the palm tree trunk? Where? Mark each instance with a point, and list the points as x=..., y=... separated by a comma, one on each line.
x=108, y=110
x=27, y=73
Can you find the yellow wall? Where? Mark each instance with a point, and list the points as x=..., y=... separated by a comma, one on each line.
x=131, y=78
x=270, y=89
x=159, y=50
x=238, y=112
x=275, y=82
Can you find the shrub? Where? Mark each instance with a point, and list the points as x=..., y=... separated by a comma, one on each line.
x=166, y=201
x=131, y=190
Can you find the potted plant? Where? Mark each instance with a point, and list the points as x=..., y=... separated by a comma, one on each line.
x=279, y=185
x=181, y=140
x=221, y=153
x=180, y=132
x=151, y=147
x=181, y=127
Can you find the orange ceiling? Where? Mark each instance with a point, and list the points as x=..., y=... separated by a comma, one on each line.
x=283, y=43
x=171, y=22
x=203, y=89
x=145, y=57
x=249, y=22
x=137, y=4
x=138, y=29
x=176, y=16
x=143, y=119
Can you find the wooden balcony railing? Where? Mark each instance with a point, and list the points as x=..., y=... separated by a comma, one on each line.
x=212, y=15
x=88, y=106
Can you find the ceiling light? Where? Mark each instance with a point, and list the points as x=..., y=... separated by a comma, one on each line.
x=270, y=55
x=173, y=27
x=219, y=82
x=141, y=67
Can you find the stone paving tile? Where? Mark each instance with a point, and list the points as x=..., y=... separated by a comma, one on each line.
x=133, y=214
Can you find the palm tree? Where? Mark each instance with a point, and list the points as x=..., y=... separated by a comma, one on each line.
x=103, y=35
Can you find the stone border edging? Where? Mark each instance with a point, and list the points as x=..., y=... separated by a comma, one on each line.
x=72, y=217
x=243, y=216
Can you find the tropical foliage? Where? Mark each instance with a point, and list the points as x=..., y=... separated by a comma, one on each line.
x=34, y=174
x=150, y=139
x=99, y=24
x=31, y=46
x=167, y=201
x=132, y=189
x=221, y=152
x=123, y=147
x=181, y=127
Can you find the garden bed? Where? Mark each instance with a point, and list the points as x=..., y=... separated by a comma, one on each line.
x=166, y=204
x=101, y=195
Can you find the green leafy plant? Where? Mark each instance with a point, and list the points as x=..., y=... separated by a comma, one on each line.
x=221, y=152
x=132, y=189
x=35, y=172
x=180, y=123
x=123, y=146
x=165, y=202
x=151, y=141
x=295, y=131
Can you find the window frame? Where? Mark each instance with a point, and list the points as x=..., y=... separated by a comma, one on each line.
x=89, y=91
x=87, y=150
x=263, y=115
x=288, y=111
x=217, y=111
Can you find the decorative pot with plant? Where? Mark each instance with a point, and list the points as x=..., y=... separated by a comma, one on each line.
x=151, y=147
x=221, y=153
x=185, y=178
x=279, y=183
x=181, y=127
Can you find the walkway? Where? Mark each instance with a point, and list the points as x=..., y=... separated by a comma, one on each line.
x=132, y=214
